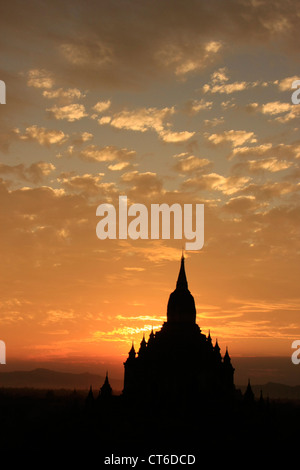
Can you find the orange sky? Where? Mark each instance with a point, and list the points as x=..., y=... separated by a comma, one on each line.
x=186, y=102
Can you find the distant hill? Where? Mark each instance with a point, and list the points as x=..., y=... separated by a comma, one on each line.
x=42, y=378
x=48, y=379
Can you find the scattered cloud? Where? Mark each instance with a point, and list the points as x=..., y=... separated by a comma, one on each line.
x=40, y=79
x=169, y=136
x=219, y=80
x=190, y=164
x=106, y=154
x=67, y=95
x=42, y=135
x=214, y=181
x=234, y=137
x=143, y=184
x=220, y=75
x=142, y=119
x=71, y=112
x=268, y=150
x=227, y=88
x=87, y=52
x=270, y=190
x=193, y=107
x=275, y=107
x=287, y=111
x=35, y=173
x=241, y=204
x=138, y=269
x=272, y=165
x=294, y=113
x=82, y=137
x=184, y=59
x=118, y=166
x=101, y=106
x=286, y=83
x=228, y=104
x=145, y=119
x=213, y=122
x=86, y=184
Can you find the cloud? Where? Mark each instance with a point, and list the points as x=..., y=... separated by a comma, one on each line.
x=58, y=316
x=37, y=171
x=235, y=138
x=220, y=75
x=145, y=119
x=229, y=104
x=294, y=113
x=154, y=251
x=101, y=106
x=146, y=184
x=252, y=107
x=142, y=119
x=227, y=88
x=132, y=268
x=213, y=122
x=82, y=137
x=7, y=137
x=288, y=111
x=64, y=95
x=71, y=112
x=118, y=166
x=190, y=164
x=286, y=83
x=213, y=181
x=103, y=119
x=106, y=154
x=241, y=204
x=42, y=135
x=86, y=184
x=270, y=190
x=40, y=79
x=219, y=80
x=272, y=165
x=268, y=150
x=86, y=52
x=34, y=173
x=275, y=107
x=183, y=58
x=192, y=107
x=169, y=136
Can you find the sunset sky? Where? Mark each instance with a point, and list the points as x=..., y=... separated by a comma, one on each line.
x=162, y=101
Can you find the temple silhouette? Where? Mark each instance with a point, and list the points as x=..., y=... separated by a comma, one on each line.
x=179, y=362
x=179, y=390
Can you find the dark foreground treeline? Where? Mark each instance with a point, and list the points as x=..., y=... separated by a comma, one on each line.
x=40, y=419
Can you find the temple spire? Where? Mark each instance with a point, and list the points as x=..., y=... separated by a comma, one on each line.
x=181, y=305
x=182, y=281
x=106, y=390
